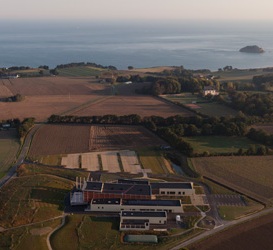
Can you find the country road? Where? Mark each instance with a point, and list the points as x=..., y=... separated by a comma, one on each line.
x=226, y=226
x=23, y=153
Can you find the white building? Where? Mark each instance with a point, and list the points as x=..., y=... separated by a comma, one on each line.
x=209, y=90
x=173, y=189
x=118, y=205
x=141, y=221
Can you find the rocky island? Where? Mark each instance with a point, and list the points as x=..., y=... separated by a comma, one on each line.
x=252, y=49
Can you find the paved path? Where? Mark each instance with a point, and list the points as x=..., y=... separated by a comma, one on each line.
x=54, y=230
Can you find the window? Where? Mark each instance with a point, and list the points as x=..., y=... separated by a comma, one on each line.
x=162, y=192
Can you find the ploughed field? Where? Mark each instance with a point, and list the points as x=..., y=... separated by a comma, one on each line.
x=55, y=139
x=141, y=105
x=255, y=234
x=83, y=96
x=250, y=175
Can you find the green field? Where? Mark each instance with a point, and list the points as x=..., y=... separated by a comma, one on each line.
x=152, y=159
x=233, y=212
x=80, y=71
x=202, y=105
x=218, y=144
x=250, y=175
x=238, y=75
x=9, y=147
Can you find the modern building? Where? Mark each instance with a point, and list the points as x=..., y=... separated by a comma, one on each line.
x=119, y=205
x=99, y=190
x=140, y=221
x=172, y=188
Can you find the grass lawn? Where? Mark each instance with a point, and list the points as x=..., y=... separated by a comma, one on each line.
x=152, y=159
x=51, y=160
x=9, y=146
x=233, y=213
x=218, y=144
x=80, y=71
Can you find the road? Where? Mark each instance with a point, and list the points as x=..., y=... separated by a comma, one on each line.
x=221, y=228
x=24, y=150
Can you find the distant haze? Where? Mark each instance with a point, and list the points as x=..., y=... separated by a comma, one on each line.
x=137, y=9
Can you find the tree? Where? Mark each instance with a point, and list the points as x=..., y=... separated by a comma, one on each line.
x=130, y=67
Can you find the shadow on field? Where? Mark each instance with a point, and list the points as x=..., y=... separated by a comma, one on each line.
x=114, y=221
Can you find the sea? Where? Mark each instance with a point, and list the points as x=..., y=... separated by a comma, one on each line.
x=194, y=44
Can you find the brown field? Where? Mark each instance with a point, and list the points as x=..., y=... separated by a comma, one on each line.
x=55, y=86
x=121, y=137
x=141, y=105
x=41, y=107
x=60, y=139
x=69, y=139
x=268, y=128
x=4, y=91
x=45, y=96
x=152, y=69
x=250, y=175
x=255, y=234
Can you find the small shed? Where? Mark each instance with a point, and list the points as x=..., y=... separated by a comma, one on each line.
x=147, y=238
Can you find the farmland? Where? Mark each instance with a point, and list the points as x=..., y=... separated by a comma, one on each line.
x=251, y=175
x=44, y=96
x=218, y=144
x=141, y=105
x=9, y=146
x=68, y=139
x=80, y=71
x=201, y=105
x=60, y=139
x=268, y=127
x=254, y=234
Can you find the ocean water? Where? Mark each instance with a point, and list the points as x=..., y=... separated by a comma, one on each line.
x=193, y=44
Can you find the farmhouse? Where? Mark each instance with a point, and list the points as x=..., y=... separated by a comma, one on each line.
x=140, y=221
x=209, y=90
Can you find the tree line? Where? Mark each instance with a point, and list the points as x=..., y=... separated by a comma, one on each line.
x=171, y=129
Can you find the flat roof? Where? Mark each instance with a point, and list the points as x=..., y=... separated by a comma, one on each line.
x=133, y=181
x=134, y=221
x=167, y=203
x=174, y=185
x=121, y=188
x=105, y=201
x=93, y=185
x=143, y=214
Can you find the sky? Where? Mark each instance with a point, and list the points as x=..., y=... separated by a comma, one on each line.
x=137, y=9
